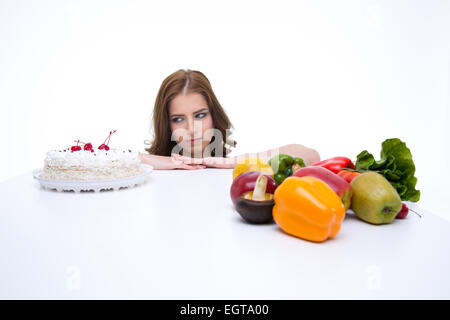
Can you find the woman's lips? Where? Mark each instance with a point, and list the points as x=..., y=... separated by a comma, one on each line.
x=193, y=140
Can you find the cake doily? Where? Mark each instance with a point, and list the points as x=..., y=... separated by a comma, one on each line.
x=93, y=185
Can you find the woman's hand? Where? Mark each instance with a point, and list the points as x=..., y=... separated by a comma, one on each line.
x=167, y=163
x=210, y=162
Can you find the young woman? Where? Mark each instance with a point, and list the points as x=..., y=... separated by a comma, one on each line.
x=188, y=119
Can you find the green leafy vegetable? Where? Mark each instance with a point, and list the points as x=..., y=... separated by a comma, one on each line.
x=396, y=165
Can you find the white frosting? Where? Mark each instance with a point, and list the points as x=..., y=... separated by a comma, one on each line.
x=87, y=165
x=98, y=158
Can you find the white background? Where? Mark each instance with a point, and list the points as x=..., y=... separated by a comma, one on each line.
x=338, y=76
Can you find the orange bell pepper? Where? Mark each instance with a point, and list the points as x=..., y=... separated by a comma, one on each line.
x=308, y=208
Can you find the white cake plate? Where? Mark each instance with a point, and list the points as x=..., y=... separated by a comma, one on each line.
x=95, y=185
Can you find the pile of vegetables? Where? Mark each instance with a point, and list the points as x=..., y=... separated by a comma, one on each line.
x=310, y=202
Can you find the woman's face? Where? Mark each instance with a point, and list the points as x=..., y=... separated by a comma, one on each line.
x=190, y=113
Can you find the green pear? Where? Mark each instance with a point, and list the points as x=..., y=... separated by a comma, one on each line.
x=374, y=199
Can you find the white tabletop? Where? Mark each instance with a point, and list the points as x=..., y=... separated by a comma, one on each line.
x=178, y=237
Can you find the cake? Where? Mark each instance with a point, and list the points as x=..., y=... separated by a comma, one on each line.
x=88, y=163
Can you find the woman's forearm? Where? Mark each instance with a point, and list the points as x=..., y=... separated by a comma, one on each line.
x=150, y=159
x=309, y=155
x=157, y=162
x=167, y=163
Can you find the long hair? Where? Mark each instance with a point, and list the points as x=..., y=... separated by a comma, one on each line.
x=186, y=81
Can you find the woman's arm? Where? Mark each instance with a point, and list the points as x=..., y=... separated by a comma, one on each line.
x=167, y=163
x=309, y=155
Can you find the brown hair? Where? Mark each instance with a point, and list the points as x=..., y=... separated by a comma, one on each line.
x=185, y=81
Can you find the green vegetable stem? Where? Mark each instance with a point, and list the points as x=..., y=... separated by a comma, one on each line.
x=282, y=166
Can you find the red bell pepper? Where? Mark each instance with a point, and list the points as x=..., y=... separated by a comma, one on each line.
x=348, y=175
x=335, y=164
x=341, y=187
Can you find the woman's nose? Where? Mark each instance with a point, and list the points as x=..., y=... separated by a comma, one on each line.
x=194, y=128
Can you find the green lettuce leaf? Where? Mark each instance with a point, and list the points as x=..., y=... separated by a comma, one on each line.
x=395, y=164
x=364, y=161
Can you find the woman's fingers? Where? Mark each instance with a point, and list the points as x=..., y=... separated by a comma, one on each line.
x=176, y=159
x=214, y=162
x=217, y=162
x=185, y=166
x=191, y=167
x=187, y=160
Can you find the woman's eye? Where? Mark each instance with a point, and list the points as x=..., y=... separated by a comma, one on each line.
x=177, y=119
x=200, y=115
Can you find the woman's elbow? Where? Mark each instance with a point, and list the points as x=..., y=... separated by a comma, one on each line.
x=309, y=155
x=315, y=157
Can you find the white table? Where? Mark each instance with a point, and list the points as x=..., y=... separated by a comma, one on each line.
x=178, y=237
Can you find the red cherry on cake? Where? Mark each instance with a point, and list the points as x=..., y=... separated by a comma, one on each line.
x=104, y=145
x=88, y=147
x=77, y=147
